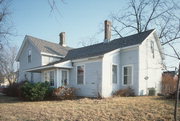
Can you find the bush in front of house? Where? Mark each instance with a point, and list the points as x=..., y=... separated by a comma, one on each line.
x=152, y=91
x=127, y=92
x=14, y=89
x=64, y=93
x=35, y=91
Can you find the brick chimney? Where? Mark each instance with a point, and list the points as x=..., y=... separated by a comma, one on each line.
x=107, y=31
x=62, y=39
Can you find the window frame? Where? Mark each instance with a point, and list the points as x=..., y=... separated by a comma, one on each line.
x=131, y=75
x=116, y=72
x=48, y=77
x=53, y=78
x=32, y=77
x=29, y=55
x=77, y=74
x=152, y=48
x=67, y=76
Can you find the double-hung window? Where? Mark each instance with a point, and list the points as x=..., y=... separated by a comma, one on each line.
x=29, y=56
x=114, y=74
x=127, y=75
x=80, y=74
x=152, y=48
x=49, y=77
x=64, y=78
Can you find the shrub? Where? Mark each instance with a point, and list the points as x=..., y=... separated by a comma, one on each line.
x=49, y=93
x=172, y=95
x=35, y=91
x=125, y=92
x=152, y=92
x=14, y=89
x=64, y=93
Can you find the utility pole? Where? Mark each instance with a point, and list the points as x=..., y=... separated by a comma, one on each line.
x=177, y=96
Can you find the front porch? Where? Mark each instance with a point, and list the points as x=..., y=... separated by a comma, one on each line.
x=57, y=77
x=56, y=74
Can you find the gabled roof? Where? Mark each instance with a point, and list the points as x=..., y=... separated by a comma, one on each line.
x=102, y=48
x=49, y=47
x=45, y=47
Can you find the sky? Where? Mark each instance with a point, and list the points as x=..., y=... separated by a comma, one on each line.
x=80, y=19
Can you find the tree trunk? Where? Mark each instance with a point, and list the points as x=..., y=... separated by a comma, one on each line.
x=177, y=97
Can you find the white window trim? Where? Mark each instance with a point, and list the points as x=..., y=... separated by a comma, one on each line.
x=123, y=75
x=32, y=77
x=49, y=72
x=67, y=76
x=117, y=73
x=152, y=48
x=28, y=56
x=84, y=74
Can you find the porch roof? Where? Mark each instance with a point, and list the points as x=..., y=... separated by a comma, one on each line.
x=63, y=65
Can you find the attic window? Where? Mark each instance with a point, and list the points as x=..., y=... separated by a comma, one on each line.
x=114, y=74
x=29, y=56
x=152, y=48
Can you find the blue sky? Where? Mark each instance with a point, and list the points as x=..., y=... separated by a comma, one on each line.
x=80, y=19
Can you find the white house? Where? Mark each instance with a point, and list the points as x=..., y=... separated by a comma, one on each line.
x=99, y=69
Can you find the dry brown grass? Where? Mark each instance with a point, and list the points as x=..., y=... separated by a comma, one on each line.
x=115, y=109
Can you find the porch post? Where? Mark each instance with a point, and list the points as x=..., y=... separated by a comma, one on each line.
x=58, y=78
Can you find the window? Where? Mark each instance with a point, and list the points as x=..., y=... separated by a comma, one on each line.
x=49, y=77
x=127, y=75
x=29, y=56
x=80, y=74
x=64, y=78
x=46, y=78
x=114, y=74
x=152, y=48
x=32, y=77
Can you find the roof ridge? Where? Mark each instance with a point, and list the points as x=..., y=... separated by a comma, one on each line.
x=137, y=33
x=40, y=39
x=36, y=38
x=115, y=39
x=102, y=48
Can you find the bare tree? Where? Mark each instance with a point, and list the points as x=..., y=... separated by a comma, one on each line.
x=54, y=5
x=142, y=15
x=5, y=28
x=7, y=63
x=178, y=83
x=88, y=41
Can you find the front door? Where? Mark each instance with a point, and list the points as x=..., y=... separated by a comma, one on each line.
x=64, y=79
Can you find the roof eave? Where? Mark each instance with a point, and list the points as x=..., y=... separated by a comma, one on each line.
x=54, y=55
x=23, y=44
x=21, y=48
x=39, y=69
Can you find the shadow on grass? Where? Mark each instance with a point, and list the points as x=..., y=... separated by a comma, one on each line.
x=166, y=100
x=7, y=99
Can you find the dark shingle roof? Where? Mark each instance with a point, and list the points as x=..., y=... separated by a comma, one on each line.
x=102, y=48
x=49, y=47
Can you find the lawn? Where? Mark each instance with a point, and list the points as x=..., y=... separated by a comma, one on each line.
x=115, y=109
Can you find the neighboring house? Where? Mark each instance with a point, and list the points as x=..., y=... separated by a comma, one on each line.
x=169, y=82
x=96, y=70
